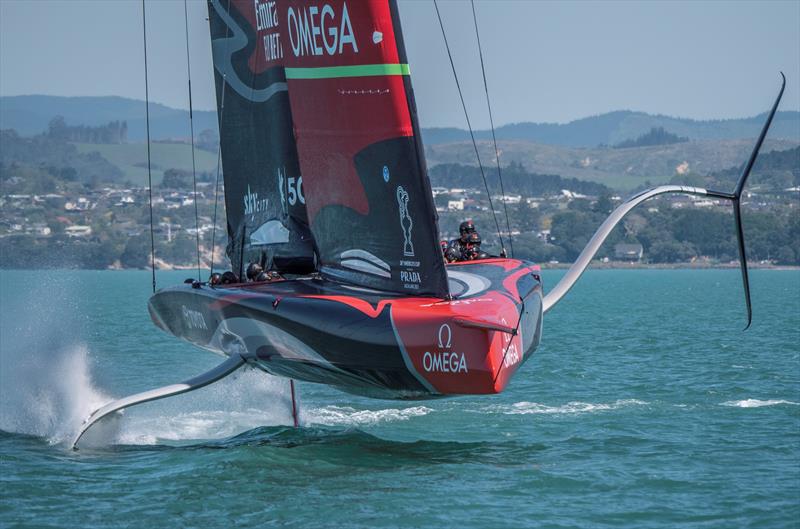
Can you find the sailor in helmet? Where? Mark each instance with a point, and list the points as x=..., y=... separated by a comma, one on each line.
x=473, y=251
x=457, y=248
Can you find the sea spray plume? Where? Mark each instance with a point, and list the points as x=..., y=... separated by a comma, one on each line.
x=46, y=387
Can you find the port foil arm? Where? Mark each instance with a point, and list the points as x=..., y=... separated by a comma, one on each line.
x=578, y=267
x=582, y=262
x=221, y=371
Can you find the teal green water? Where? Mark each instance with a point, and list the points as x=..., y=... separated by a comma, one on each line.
x=645, y=406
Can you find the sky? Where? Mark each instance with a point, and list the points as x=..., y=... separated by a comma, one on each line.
x=545, y=61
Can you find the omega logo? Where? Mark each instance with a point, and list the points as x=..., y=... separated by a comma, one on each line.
x=445, y=330
x=444, y=361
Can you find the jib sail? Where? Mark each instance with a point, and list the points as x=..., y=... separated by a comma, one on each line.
x=264, y=201
x=367, y=193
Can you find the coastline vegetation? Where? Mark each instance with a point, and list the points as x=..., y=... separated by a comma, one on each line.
x=63, y=204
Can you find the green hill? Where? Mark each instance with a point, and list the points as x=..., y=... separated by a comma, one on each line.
x=621, y=169
x=30, y=115
x=131, y=159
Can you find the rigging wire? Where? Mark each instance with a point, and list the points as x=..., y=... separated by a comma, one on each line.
x=491, y=122
x=511, y=340
x=149, y=169
x=216, y=181
x=191, y=132
x=469, y=125
x=219, y=147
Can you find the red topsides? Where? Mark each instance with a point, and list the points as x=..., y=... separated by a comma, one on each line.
x=453, y=346
x=471, y=344
x=468, y=345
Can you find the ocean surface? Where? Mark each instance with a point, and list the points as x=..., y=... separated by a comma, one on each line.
x=646, y=406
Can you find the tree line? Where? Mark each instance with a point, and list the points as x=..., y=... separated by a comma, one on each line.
x=112, y=132
x=516, y=180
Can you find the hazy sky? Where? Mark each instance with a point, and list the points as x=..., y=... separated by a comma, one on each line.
x=546, y=61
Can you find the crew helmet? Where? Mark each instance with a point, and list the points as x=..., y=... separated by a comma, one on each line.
x=466, y=227
x=253, y=269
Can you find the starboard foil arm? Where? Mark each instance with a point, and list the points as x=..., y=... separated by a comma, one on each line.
x=579, y=266
x=224, y=369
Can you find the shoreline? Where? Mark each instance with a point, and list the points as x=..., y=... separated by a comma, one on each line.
x=621, y=265
x=595, y=265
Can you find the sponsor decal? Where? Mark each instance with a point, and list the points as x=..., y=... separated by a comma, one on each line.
x=295, y=186
x=447, y=332
x=405, y=221
x=253, y=204
x=444, y=360
x=410, y=278
x=267, y=20
x=510, y=349
x=291, y=186
x=224, y=49
x=385, y=173
x=194, y=319
x=363, y=261
x=315, y=30
x=281, y=183
x=459, y=302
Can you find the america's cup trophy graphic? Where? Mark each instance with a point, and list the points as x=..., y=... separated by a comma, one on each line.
x=405, y=221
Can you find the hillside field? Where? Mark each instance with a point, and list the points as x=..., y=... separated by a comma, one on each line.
x=131, y=158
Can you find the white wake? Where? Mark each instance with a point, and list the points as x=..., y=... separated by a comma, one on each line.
x=755, y=403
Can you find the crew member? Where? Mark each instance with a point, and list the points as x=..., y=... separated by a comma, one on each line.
x=253, y=271
x=473, y=250
x=459, y=246
x=450, y=254
x=229, y=278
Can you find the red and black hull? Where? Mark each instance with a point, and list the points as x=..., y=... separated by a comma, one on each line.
x=367, y=342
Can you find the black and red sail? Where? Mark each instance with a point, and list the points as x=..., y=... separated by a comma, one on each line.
x=266, y=214
x=334, y=113
x=368, y=196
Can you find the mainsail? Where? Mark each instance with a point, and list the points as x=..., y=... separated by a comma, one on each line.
x=368, y=196
x=266, y=213
x=320, y=137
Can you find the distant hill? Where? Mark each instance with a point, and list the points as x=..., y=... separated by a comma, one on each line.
x=773, y=171
x=30, y=115
x=616, y=127
x=621, y=169
x=58, y=157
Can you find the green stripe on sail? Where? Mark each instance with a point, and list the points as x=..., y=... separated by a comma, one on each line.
x=359, y=70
